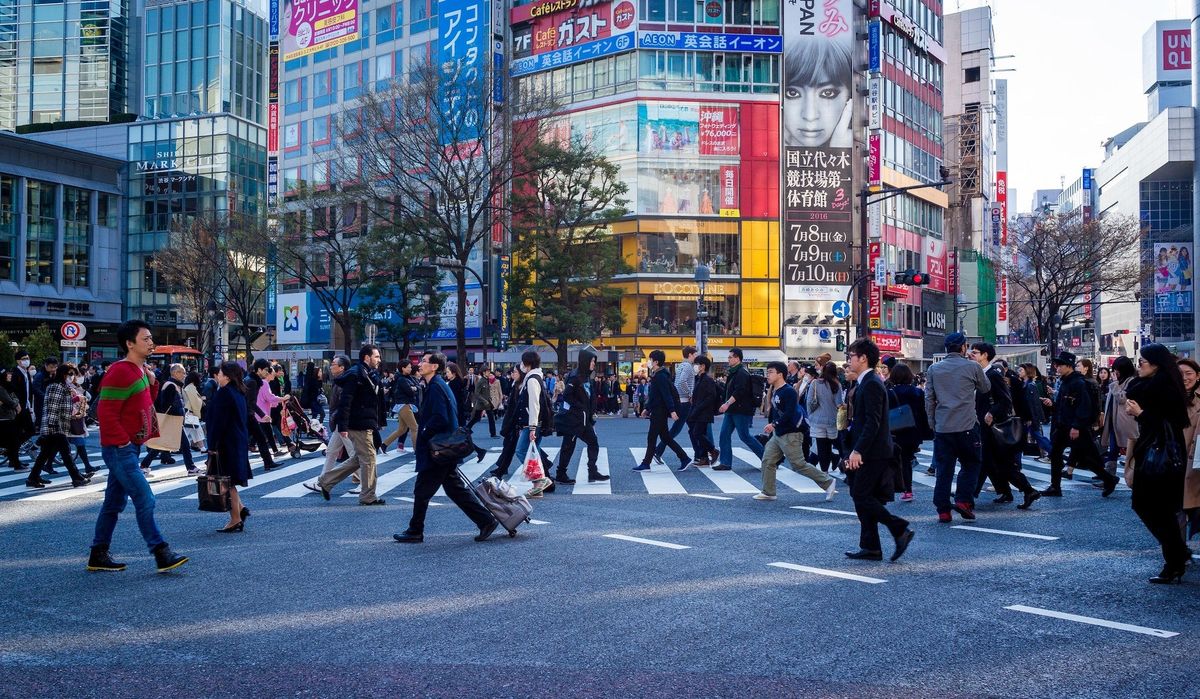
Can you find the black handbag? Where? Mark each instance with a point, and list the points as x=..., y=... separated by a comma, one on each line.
x=451, y=447
x=213, y=489
x=1165, y=456
x=901, y=418
x=1008, y=432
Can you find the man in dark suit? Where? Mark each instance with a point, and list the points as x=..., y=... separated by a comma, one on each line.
x=439, y=415
x=869, y=468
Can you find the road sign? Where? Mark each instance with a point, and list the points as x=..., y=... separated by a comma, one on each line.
x=841, y=310
x=72, y=330
x=72, y=343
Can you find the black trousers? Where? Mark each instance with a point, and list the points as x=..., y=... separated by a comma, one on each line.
x=659, y=430
x=870, y=487
x=1002, y=464
x=685, y=409
x=1083, y=452
x=908, y=456
x=1157, y=502
x=257, y=432
x=491, y=416
x=455, y=484
x=825, y=452
x=54, y=444
x=588, y=437
x=11, y=436
x=701, y=444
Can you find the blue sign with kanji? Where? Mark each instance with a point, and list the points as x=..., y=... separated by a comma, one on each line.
x=704, y=41
x=572, y=54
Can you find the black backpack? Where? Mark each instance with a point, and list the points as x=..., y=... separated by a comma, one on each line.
x=758, y=388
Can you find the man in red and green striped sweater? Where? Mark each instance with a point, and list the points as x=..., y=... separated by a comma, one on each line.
x=126, y=414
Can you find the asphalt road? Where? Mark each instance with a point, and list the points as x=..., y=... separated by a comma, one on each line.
x=315, y=599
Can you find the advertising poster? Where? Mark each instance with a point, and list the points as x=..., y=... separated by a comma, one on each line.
x=935, y=264
x=729, y=191
x=720, y=132
x=562, y=30
x=817, y=132
x=301, y=319
x=680, y=128
x=474, y=316
x=309, y=26
x=462, y=47
x=1172, y=277
x=875, y=298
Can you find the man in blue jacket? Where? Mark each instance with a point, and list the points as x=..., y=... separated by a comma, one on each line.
x=786, y=439
x=438, y=415
x=661, y=403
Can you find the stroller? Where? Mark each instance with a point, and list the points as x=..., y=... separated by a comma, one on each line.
x=303, y=433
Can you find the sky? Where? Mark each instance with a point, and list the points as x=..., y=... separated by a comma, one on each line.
x=1077, y=80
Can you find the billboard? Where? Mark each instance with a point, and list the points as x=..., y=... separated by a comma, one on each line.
x=309, y=26
x=681, y=128
x=1173, y=277
x=817, y=132
x=300, y=319
x=555, y=33
x=1167, y=53
x=474, y=316
x=462, y=47
x=705, y=41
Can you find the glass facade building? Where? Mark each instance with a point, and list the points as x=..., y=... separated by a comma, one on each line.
x=66, y=61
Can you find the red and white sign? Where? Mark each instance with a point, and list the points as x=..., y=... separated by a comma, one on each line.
x=888, y=342
x=1177, y=49
x=581, y=26
x=875, y=163
x=935, y=262
x=273, y=127
x=72, y=330
x=719, y=131
x=875, y=293
x=1002, y=305
x=1002, y=204
x=729, y=187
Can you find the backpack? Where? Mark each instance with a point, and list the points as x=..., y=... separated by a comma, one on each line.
x=545, y=425
x=758, y=388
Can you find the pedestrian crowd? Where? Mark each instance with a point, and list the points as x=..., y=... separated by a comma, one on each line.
x=866, y=419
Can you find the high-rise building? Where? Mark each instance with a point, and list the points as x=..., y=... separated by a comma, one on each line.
x=199, y=148
x=68, y=61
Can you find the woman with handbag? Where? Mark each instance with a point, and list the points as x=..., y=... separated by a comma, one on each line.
x=1158, y=401
x=193, y=404
x=55, y=426
x=79, y=411
x=170, y=401
x=824, y=399
x=909, y=439
x=229, y=440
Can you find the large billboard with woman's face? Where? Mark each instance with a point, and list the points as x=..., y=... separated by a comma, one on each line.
x=816, y=126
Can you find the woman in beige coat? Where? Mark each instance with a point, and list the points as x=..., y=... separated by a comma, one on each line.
x=1191, y=483
x=1120, y=428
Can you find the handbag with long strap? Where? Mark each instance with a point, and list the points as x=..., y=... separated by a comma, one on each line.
x=453, y=446
x=170, y=432
x=212, y=489
x=1009, y=432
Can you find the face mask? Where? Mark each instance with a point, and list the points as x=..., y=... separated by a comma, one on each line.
x=24, y=363
x=79, y=380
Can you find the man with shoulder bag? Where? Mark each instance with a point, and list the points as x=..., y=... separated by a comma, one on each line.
x=1001, y=430
x=438, y=416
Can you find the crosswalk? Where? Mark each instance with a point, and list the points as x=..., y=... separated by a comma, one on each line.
x=397, y=474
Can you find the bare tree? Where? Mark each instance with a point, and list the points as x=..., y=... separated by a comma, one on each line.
x=565, y=248
x=1061, y=262
x=240, y=260
x=185, y=264
x=436, y=158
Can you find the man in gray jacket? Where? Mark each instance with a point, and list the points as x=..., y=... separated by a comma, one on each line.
x=950, y=389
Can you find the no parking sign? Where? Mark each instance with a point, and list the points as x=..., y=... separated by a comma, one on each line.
x=72, y=330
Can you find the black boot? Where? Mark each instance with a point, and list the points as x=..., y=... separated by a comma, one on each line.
x=100, y=561
x=166, y=559
x=563, y=478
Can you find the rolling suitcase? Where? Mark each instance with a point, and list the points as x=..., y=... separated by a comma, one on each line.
x=504, y=502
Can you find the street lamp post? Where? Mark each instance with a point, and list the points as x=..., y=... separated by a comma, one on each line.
x=213, y=313
x=702, y=276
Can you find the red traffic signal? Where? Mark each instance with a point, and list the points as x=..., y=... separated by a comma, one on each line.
x=911, y=277
x=919, y=278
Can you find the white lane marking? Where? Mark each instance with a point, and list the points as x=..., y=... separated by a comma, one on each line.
x=829, y=573
x=538, y=521
x=784, y=474
x=824, y=509
x=659, y=480
x=280, y=473
x=1158, y=633
x=709, y=497
x=432, y=503
x=472, y=469
x=651, y=542
x=1039, y=537
x=582, y=487
x=161, y=474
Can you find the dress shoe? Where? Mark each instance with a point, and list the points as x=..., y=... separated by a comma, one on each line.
x=45, y=481
x=714, y=456
x=597, y=478
x=1003, y=500
x=376, y=501
x=964, y=510
x=1031, y=497
x=701, y=462
x=168, y=461
x=317, y=489
x=1110, y=485
x=50, y=471
x=865, y=555
x=408, y=537
x=486, y=530
x=722, y=467
x=1052, y=492
x=902, y=543
x=1170, y=575
x=564, y=479
x=233, y=528
x=80, y=483
x=34, y=484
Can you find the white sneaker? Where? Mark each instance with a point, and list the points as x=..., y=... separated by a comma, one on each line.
x=831, y=490
x=764, y=496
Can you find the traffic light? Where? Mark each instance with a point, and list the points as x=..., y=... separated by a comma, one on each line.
x=911, y=277
x=840, y=342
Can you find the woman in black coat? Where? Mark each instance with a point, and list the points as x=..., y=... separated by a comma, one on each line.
x=909, y=439
x=229, y=440
x=1159, y=403
x=461, y=390
x=309, y=395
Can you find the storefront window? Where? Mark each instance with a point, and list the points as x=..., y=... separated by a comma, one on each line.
x=689, y=190
x=677, y=316
x=679, y=253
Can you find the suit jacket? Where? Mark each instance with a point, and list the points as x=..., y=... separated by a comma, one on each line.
x=438, y=415
x=869, y=432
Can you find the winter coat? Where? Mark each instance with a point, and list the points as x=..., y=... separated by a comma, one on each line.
x=822, y=406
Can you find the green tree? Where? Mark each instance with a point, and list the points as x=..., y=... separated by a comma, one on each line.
x=402, y=299
x=41, y=344
x=7, y=353
x=564, y=253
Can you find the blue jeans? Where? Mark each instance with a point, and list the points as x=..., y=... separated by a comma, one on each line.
x=1035, y=429
x=949, y=447
x=522, y=449
x=742, y=424
x=125, y=482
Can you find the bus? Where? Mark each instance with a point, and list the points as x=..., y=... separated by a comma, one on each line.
x=189, y=357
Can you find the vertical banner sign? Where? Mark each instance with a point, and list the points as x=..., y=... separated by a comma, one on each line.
x=273, y=72
x=272, y=182
x=875, y=301
x=273, y=127
x=273, y=9
x=505, y=270
x=875, y=104
x=729, y=191
x=1000, y=210
x=817, y=134
x=272, y=270
x=315, y=25
x=1172, y=277
x=462, y=46
x=875, y=160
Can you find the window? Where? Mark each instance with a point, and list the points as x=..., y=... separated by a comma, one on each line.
x=678, y=253
x=321, y=131
x=654, y=10
x=8, y=227
x=77, y=215
x=971, y=75
x=43, y=229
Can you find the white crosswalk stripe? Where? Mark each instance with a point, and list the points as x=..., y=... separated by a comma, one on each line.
x=582, y=487
x=784, y=474
x=659, y=480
